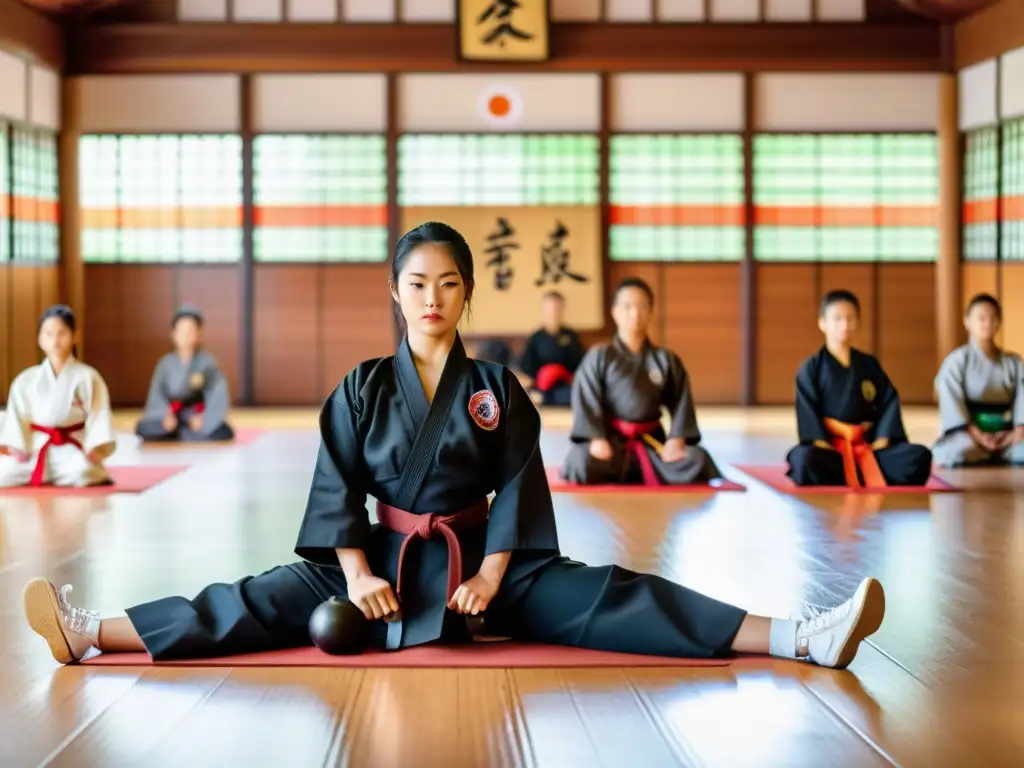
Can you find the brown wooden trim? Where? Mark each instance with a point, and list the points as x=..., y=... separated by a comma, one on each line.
x=604, y=134
x=391, y=133
x=748, y=289
x=575, y=47
x=247, y=342
x=27, y=31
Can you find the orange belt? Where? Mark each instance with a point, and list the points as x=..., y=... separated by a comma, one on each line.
x=425, y=527
x=633, y=431
x=849, y=440
x=58, y=436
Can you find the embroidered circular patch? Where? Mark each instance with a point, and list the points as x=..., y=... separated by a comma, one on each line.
x=483, y=407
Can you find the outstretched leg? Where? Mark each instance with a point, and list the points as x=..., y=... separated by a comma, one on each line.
x=612, y=609
x=261, y=613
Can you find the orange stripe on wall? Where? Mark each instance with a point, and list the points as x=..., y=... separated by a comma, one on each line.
x=205, y=217
x=846, y=216
x=1013, y=208
x=979, y=211
x=21, y=208
x=776, y=215
x=222, y=217
x=678, y=215
x=321, y=215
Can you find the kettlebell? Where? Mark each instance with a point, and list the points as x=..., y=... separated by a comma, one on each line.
x=337, y=627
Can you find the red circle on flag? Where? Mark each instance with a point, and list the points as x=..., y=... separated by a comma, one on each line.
x=499, y=106
x=483, y=407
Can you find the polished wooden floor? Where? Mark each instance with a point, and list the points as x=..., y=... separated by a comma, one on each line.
x=942, y=683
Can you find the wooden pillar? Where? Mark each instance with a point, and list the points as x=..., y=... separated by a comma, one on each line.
x=246, y=267
x=748, y=270
x=72, y=269
x=949, y=328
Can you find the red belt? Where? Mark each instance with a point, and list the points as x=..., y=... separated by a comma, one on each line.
x=551, y=374
x=178, y=405
x=425, y=527
x=633, y=431
x=57, y=436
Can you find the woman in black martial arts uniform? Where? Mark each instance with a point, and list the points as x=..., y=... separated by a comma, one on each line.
x=430, y=433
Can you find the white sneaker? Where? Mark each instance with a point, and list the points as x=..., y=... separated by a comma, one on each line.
x=831, y=638
x=70, y=632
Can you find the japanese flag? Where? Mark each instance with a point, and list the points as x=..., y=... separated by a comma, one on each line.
x=500, y=105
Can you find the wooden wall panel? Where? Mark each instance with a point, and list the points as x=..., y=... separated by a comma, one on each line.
x=978, y=277
x=23, y=348
x=102, y=327
x=286, y=360
x=7, y=318
x=1012, y=284
x=25, y=291
x=701, y=311
x=146, y=304
x=356, y=319
x=861, y=280
x=787, y=331
x=217, y=291
x=906, y=324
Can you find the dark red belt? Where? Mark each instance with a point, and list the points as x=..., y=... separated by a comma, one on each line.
x=426, y=527
x=551, y=374
x=177, y=406
x=634, y=431
x=57, y=436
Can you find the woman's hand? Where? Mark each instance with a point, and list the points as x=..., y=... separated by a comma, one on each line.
x=880, y=444
x=196, y=423
x=170, y=422
x=673, y=450
x=475, y=595
x=374, y=597
x=601, y=450
x=14, y=453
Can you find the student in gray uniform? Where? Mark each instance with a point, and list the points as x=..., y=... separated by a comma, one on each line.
x=617, y=396
x=188, y=397
x=981, y=395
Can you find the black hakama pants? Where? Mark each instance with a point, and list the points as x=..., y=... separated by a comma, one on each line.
x=558, y=396
x=561, y=602
x=152, y=430
x=901, y=464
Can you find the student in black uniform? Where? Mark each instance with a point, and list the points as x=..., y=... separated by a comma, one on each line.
x=848, y=412
x=552, y=354
x=429, y=431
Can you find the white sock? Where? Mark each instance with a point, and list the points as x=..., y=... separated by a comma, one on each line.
x=782, y=640
x=92, y=631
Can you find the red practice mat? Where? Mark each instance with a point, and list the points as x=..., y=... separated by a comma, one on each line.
x=558, y=485
x=775, y=476
x=501, y=655
x=126, y=480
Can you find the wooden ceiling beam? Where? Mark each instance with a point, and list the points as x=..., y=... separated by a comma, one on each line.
x=24, y=30
x=156, y=48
